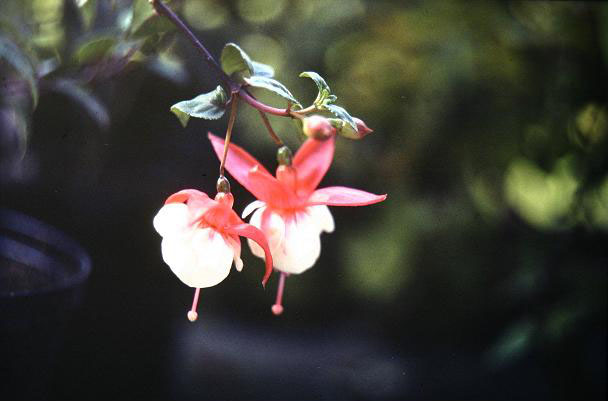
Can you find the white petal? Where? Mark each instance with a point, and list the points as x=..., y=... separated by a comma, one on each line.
x=238, y=264
x=250, y=208
x=201, y=259
x=302, y=245
x=322, y=217
x=295, y=245
x=274, y=232
x=179, y=254
x=171, y=219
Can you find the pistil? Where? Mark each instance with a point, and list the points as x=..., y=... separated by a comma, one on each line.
x=277, y=308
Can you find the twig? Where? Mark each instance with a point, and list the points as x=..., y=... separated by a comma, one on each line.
x=162, y=9
x=273, y=134
x=229, y=132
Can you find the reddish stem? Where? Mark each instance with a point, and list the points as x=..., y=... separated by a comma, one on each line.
x=263, y=107
x=273, y=134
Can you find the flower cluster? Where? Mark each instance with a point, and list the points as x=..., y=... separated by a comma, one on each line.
x=201, y=235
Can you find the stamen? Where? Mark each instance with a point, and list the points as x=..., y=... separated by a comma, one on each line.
x=277, y=308
x=192, y=314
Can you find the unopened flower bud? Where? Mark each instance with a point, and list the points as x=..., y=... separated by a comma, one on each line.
x=223, y=185
x=362, y=128
x=284, y=156
x=348, y=131
x=318, y=127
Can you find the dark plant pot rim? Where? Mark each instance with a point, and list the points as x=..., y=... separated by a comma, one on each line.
x=31, y=242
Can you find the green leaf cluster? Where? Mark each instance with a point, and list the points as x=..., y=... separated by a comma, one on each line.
x=237, y=64
x=77, y=43
x=325, y=100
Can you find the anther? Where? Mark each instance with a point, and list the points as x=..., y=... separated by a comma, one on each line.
x=192, y=314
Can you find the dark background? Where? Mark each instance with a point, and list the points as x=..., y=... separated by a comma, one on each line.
x=483, y=275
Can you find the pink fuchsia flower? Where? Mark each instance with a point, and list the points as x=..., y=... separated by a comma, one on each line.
x=201, y=239
x=290, y=210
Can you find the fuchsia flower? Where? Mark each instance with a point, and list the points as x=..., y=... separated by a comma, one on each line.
x=201, y=239
x=290, y=210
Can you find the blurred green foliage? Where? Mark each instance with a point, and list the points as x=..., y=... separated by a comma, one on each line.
x=70, y=46
x=487, y=116
x=490, y=137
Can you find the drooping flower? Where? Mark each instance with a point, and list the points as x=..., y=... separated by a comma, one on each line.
x=290, y=210
x=201, y=239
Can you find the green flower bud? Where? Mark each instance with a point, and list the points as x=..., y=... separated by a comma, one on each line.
x=223, y=185
x=284, y=156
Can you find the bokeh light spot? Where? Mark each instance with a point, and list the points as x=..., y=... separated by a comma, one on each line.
x=543, y=199
x=206, y=14
x=260, y=11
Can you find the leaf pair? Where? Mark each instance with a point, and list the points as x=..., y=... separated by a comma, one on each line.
x=242, y=69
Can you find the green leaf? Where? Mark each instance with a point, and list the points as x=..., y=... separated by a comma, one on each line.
x=262, y=70
x=236, y=63
x=141, y=21
x=298, y=123
x=94, y=49
x=89, y=102
x=88, y=8
x=272, y=85
x=324, y=90
x=13, y=55
x=341, y=113
x=141, y=10
x=210, y=106
x=154, y=25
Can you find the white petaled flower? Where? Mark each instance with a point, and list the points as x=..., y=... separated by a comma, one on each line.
x=294, y=239
x=201, y=239
x=290, y=210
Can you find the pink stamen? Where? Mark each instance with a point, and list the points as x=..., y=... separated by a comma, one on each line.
x=192, y=314
x=277, y=308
